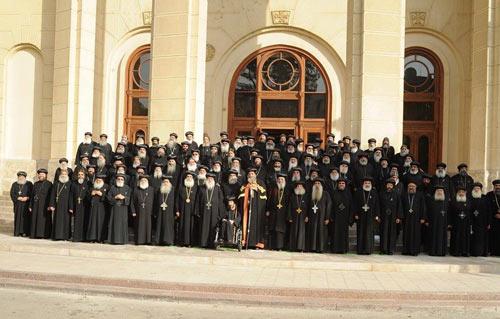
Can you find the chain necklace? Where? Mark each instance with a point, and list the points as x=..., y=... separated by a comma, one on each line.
x=188, y=194
x=298, y=198
x=281, y=192
x=143, y=199
x=411, y=199
x=20, y=188
x=209, y=197
x=59, y=191
x=365, y=201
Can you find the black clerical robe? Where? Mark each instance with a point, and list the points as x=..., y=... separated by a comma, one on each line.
x=277, y=206
x=460, y=228
x=480, y=221
x=118, y=219
x=20, y=195
x=230, y=222
x=252, y=203
x=210, y=210
x=340, y=219
x=60, y=199
x=390, y=211
x=99, y=214
x=165, y=209
x=414, y=210
x=186, y=202
x=319, y=213
x=41, y=218
x=437, y=213
x=141, y=208
x=366, y=208
x=494, y=204
x=80, y=197
x=298, y=208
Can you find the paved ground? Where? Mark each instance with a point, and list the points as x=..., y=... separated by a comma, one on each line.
x=16, y=304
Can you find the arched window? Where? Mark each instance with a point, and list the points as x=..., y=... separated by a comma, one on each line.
x=422, y=113
x=137, y=92
x=280, y=90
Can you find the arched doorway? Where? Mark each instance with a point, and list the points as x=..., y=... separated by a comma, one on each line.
x=422, y=120
x=280, y=89
x=137, y=93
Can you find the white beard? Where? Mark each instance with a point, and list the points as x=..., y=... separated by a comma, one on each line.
x=103, y=143
x=377, y=158
x=236, y=146
x=343, y=171
x=404, y=153
x=232, y=180
x=317, y=192
x=414, y=172
x=157, y=174
x=348, y=160
x=299, y=191
x=461, y=199
x=326, y=162
x=101, y=163
x=354, y=149
x=63, y=178
x=210, y=183
x=308, y=162
x=189, y=183
x=440, y=174
x=143, y=185
x=141, y=155
x=367, y=188
x=334, y=177
x=120, y=183
x=291, y=165
x=216, y=169
x=21, y=182
x=224, y=148
x=439, y=198
x=477, y=194
x=407, y=164
x=171, y=169
x=281, y=186
x=192, y=167
x=295, y=178
x=196, y=158
x=269, y=147
x=363, y=162
x=165, y=189
x=252, y=180
x=87, y=141
x=98, y=185
x=95, y=155
x=80, y=181
x=135, y=165
x=170, y=144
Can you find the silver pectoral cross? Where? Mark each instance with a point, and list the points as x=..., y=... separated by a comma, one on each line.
x=411, y=210
x=209, y=205
x=461, y=215
x=476, y=213
x=443, y=212
x=365, y=207
x=315, y=208
x=143, y=205
x=163, y=206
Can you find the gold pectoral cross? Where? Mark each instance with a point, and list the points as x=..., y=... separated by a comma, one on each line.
x=298, y=210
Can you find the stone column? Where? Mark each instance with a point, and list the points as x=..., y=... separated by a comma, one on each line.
x=484, y=121
x=73, y=93
x=375, y=63
x=178, y=67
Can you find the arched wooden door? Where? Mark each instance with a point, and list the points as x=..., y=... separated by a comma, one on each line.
x=423, y=110
x=137, y=93
x=280, y=89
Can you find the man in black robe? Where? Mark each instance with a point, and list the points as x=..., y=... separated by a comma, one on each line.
x=462, y=178
x=41, y=217
x=341, y=218
x=494, y=202
x=80, y=196
x=366, y=211
x=298, y=207
x=20, y=194
x=210, y=210
x=460, y=224
x=232, y=185
x=230, y=222
x=119, y=200
x=362, y=169
x=85, y=147
x=141, y=208
x=390, y=217
x=99, y=217
x=277, y=210
x=442, y=179
x=414, y=215
x=61, y=205
x=437, y=212
x=165, y=212
x=63, y=166
x=319, y=214
x=173, y=169
x=185, y=205
x=252, y=204
x=480, y=220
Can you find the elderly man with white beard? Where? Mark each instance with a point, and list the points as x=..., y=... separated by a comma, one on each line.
x=101, y=167
x=413, y=175
x=85, y=147
x=210, y=209
x=119, y=199
x=171, y=148
x=366, y=210
x=325, y=164
x=277, y=210
x=41, y=219
x=400, y=157
x=20, y=194
x=142, y=152
x=141, y=209
x=98, y=225
x=319, y=213
x=460, y=224
x=308, y=163
x=173, y=169
x=441, y=178
x=494, y=201
x=437, y=212
x=202, y=175
x=236, y=166
x=164, y=210
x=480, y=221
x=293, y=162
x=80, y=196
x=157, y=175
x=298, y=207
x=185, y=206
x=61, y=206
x=63, y=166
x=362, y=169
x=340, y=218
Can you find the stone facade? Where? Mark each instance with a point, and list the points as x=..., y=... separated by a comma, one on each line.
x=66, y=61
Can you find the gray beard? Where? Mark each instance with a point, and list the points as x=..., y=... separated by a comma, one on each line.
x=439, y=198
x=63, y=179
x=461, y=199
x=476, y=194
x=232, y=181
x=300, y=192
x=210, y=184
x=295, y=178
x=440, y=174
x=143, y=186
x=142, y=155
x=317, y=193
x=171, y=169
x=98, y=185
x=165, y=189
x=120, y=184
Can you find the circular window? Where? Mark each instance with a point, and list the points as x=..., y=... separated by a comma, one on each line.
x=281, y=72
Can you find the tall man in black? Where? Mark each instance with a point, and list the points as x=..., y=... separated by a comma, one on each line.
x=390, y=216
x=277, y=209
x=20, y=194
x=119, y=199
x=185, y=206
x=366, y=211
x=297, y=216
x=319, y=217
x=141, y=208
x=480, y=221
x=210, y=209
x=460, y=224
x=341, y=218
x=414, y=215
x=165, y=212
x=494, y=201
x=80, y=196
x=61, y=206
x=438, y=222
x=41, y=217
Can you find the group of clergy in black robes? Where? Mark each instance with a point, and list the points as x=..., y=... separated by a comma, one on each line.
x=282, y=194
